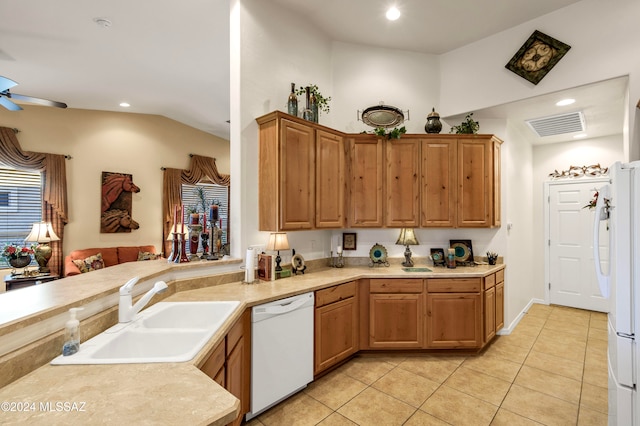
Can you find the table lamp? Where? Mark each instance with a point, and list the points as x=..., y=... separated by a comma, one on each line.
x=278, y=241
x=42, y=233
x=407, y=238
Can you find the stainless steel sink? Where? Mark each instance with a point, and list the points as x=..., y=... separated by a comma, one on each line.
x=165, y=332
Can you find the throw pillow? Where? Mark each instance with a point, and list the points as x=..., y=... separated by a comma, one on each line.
x=145, y=255
x=89, y=264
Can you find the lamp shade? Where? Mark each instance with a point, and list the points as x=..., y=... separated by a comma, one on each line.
x=407, y=237
x=174, y=230
x=278, y=241
x=42, y=232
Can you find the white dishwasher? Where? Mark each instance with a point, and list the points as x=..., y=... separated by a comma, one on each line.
x=281, y=350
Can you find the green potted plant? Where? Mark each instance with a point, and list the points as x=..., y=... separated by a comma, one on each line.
x=396, y=133
x=469, y=126
x=321, y=103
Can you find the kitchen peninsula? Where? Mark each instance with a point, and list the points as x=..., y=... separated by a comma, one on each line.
x=130, y=393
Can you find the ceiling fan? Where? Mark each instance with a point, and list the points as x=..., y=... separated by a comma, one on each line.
x=6, y=96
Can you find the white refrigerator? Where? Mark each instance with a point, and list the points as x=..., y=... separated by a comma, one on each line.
x=619, y=280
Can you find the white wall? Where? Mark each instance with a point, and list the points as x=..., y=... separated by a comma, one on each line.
x=603, y=39
x=271, y=49
x=363, y=76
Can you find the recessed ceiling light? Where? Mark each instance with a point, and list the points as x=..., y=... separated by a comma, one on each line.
x=580, y=136
x=565, y=102
x=393, y=13
x=125, y=104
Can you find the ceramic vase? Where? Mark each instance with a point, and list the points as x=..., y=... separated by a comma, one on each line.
x=433, y=122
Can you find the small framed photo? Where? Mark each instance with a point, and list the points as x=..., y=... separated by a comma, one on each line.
x=349, y=240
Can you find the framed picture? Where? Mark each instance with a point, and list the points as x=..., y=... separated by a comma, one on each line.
x=349, y=240
x=537, y=56
x=437, y=255
x=463, y=250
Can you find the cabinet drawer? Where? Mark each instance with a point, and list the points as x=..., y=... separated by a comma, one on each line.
x=234, y=335
x=500, y=276
x=399, y=285
x=453, y=285
x=489, y=281
x=335, y=294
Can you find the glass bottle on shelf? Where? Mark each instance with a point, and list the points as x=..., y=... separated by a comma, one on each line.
x=292, y=103
x=313, y=105
x=308, y=113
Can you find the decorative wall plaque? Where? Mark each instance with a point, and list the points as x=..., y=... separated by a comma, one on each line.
x=537, y=56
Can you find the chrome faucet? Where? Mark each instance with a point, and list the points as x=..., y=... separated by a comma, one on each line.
x=126, y=312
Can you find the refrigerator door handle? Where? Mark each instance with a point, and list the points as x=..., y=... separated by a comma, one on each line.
x=603, y=280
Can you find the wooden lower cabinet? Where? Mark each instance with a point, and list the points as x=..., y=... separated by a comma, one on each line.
x=336, y=325
x=396, y=313
x=454, y=313
x=230, y=363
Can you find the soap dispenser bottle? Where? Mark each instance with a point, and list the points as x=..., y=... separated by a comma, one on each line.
x=71, y=334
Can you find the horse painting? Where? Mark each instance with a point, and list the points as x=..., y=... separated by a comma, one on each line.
x=117, y=202
x=117, y=221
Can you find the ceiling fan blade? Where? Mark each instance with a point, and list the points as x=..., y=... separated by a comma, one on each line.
x=39, y=101
x=6, y=83
x=8, y=104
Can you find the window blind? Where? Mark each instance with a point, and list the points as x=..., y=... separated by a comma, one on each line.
x=20, y=205
x=213, y=192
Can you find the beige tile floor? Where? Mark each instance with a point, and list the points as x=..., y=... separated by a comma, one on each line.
x=552, y=370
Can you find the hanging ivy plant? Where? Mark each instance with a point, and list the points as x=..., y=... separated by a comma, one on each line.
x=393, y=134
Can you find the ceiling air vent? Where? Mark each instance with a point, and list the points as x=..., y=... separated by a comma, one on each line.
x=558, y=124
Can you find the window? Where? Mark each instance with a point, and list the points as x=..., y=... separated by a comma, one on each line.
x=20, y=205
x=192, y=196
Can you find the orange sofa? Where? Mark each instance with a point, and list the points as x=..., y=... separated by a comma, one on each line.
x=110, y=256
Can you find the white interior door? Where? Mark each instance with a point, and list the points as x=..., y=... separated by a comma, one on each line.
x=571, y=268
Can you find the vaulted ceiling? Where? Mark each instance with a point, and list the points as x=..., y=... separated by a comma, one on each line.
x=172, y=59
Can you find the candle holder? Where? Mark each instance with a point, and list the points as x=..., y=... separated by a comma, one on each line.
x=339, y=261
x=181, y=254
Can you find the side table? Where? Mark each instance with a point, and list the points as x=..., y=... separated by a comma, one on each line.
x=13, y=282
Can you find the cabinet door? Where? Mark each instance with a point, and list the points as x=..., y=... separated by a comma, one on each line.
x=439, y=177
x=489, y=314
x=497, y=204
x=402, y=190
x=235, y=378
x=365, y=194
x=336, y=333
x=297, y=176
x=214, y=365
x=396, y=321
x=454, y=320
x=499, y=306
x=330, y=180
x=474, y=183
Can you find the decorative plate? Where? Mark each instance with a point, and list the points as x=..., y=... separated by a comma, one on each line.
x=462, y=251
x=382, y=116
x=378, y=254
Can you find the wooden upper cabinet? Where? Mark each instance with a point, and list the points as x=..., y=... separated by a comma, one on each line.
x=438, y=183
x=330, y=180
x=297, y=176
x=365, y=192
x=286, y=177
x=478, y=181
x=402, y=188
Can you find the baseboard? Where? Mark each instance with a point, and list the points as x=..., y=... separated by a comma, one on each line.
x=508, y=330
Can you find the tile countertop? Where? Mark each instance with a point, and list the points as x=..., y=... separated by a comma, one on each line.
x=170, y=393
